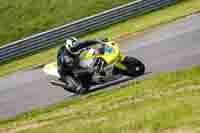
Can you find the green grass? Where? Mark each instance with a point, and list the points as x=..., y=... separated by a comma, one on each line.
x=21, y=18
x=140, y=23
x=165, y=103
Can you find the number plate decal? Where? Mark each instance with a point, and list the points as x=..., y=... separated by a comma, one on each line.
x=108, y=49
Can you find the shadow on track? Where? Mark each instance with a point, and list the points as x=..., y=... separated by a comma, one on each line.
x=114, y=83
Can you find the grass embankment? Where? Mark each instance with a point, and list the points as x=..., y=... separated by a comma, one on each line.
x=140, y=23
x=166, y=103
x=21, y=18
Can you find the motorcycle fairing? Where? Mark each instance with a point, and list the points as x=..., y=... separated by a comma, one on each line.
x=111, y=53
x=51, y=70
x=87, y=58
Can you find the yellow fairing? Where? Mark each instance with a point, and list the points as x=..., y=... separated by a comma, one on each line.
x=112, y=55
x=119, y=65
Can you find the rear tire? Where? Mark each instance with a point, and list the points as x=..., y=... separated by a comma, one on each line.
x=134, y=67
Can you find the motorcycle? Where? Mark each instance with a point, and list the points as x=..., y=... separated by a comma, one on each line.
x=114, y=64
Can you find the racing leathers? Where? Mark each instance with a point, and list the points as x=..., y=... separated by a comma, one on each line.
x=68, y=63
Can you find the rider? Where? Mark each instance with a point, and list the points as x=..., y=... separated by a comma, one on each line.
x=71, y=51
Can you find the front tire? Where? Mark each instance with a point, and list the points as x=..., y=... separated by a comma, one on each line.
x=134, y=67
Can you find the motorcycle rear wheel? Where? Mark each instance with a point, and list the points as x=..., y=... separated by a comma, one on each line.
x=134, y=67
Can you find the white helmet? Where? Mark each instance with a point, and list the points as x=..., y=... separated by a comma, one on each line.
x=70, y=43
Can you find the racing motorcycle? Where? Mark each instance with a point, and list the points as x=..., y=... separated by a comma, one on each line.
x=114, y=64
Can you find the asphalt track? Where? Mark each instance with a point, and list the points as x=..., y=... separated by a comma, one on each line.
x=167, y=48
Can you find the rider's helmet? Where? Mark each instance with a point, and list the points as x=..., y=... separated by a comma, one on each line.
x=70, y=45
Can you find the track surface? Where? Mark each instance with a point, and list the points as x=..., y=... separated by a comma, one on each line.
x=168, y=48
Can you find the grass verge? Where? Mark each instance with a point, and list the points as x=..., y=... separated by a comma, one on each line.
x=21, y=18
x=165, y=103
x=140, y=23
